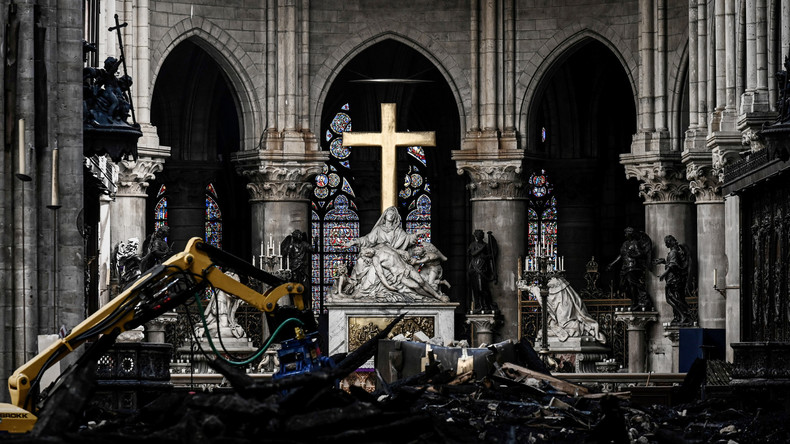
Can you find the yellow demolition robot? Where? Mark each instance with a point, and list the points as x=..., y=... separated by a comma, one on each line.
x=182, y=277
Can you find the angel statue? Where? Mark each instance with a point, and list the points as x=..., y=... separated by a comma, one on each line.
x=482, y=270
x=677, y=269
x=636, y=255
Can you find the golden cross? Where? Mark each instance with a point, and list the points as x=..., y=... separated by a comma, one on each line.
x=388, y=139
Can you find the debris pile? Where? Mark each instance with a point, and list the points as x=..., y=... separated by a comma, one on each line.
x=511, y=404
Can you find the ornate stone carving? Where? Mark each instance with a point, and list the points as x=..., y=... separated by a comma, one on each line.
x=661, y=182
x=484, y=327
x=133, y=175
x=281, y=182
x=723, y=157
x=361, y=329
x=704, y=183
x=636, y=320
x=751, y=137
x=494, y=180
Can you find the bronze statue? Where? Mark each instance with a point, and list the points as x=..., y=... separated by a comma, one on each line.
x=155, y=248
x=104, y=94
x=677, y=268
x=296, y=251
x=482, y=270
x=636, y=256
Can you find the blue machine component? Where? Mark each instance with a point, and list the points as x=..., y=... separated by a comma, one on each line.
x=301, y=355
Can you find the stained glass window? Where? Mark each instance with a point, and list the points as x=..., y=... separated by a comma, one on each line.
x=415, y=196
x=213, y=234
x=542, y=213
x=160, y=209
x=334, y=217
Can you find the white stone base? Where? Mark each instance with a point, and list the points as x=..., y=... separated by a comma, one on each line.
x=235, y=346
x=342, y=315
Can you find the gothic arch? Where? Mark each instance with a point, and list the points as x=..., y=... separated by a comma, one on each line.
x=369, y=36
x=240, y=68
x=547, y=57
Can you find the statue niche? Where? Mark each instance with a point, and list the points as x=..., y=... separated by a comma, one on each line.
x=391, y=267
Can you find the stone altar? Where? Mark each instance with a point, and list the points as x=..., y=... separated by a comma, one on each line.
x=353, y=323
x=389, y=278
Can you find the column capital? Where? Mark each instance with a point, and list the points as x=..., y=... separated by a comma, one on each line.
x=636, y=320
x=494, y=179
x=483, y=323
x=663, y=177
x=279, y=177
x=704, y=182
x=134, y=175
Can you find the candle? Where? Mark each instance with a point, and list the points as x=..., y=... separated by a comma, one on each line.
x=22, y=173
x=22, y=163
x=715, y=277
x=261, y=248
x=54, y=201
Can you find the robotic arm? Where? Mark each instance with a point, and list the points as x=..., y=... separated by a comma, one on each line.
x=157, y=291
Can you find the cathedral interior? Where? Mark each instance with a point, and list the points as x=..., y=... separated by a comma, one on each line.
x=557, y=127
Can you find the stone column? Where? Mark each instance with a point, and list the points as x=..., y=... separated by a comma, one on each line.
x=694, y=66
x=672, y=332
x=483, y=325
x=660, y=74
x=636, y=322
x=702, y=64
x=128, y=210
x=498, y=205
x=488, y=66
x=668, y=210
x=730, y=279
x=127, y=213
x=647, y=71
x=280, y=201
x=705, y=186
x=105, y=249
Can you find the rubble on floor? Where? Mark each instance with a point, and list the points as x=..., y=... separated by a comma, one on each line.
x=511, y=404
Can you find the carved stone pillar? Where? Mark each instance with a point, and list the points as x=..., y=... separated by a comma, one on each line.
x=155, y=328
x=128, y=210
x=483, y=325
x=127, y=213
x=279, y=193
x=710, y=255
x=668, y=210
x=636, y=323
x=498, y=205
x=672, y=332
